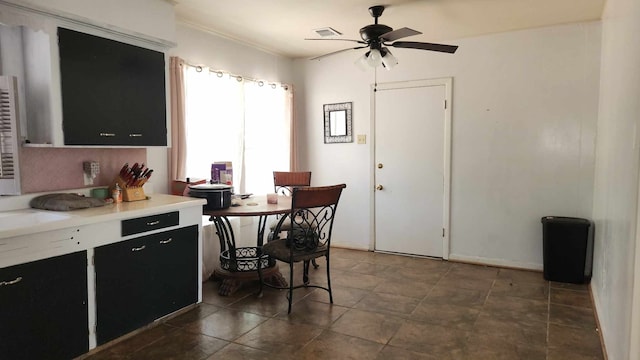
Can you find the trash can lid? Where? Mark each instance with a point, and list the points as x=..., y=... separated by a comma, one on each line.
x=565, y=220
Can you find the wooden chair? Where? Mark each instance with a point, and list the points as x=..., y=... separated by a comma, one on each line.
x=283, y=183
x=312, y=214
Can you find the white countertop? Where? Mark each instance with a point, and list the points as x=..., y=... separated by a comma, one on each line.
x=44, y=220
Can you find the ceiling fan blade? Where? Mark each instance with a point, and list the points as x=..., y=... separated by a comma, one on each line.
x=337, y=52
x=398, y=34
x=358, y=41
x=425, y=46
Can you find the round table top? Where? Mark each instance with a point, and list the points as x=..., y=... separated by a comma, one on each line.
x=254, y=206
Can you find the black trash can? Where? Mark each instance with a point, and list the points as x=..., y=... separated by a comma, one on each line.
x=567, y=249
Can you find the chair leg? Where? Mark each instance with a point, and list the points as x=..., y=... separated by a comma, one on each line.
x=260, y=274
x=315, y=264
x=305, y=272
x=290, y=286
x=329, y=281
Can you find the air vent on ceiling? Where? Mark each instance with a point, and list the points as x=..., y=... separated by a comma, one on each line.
x=9, y=179
x=327, y=31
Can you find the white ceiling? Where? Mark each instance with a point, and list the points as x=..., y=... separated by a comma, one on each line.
x=280, y=26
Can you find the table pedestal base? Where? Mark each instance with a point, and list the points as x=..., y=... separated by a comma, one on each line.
x=232, y=281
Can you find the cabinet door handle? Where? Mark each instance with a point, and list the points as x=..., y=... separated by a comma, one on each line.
x=166, y=241
x=151, y=223
x=135, y=135
x=139, y=248
x=12, y=282
x=107, y=134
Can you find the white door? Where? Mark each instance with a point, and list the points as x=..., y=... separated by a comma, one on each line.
x=411, y=168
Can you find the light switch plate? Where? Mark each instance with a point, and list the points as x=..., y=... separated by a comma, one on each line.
x=362, y=139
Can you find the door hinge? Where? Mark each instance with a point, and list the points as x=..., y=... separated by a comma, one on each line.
x=442, y=232
x=445, y=104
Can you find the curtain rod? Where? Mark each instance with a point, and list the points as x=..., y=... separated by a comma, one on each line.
x=221, y=73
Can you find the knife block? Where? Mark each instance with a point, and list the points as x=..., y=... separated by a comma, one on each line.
x=131, y=193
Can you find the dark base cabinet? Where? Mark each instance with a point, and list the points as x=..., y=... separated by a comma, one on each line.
x=143, y=279
x=43, y=309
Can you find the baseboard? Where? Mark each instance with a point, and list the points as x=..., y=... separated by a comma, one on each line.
x=462, y=258
x=349, y=246
x=595, y=301
x=495, y=262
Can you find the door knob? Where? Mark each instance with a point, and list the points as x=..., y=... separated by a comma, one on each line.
x=380, y=166
x=379, y=187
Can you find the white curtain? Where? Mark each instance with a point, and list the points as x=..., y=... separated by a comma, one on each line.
x=267, y=135
x=247, y=122
x=177, y=152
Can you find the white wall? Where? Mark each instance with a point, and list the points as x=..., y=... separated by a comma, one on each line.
x=524, y=121
x=616, y=178
x=334, y=80
x=150, y=17
x=198, y=47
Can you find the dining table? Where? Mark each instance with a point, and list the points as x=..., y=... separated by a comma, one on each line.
x=240, y=264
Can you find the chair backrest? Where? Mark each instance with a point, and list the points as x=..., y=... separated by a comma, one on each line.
x=313, y=210
x=285, y=181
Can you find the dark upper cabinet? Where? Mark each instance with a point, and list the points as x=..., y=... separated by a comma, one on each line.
x=112, y=93
x=43, y=309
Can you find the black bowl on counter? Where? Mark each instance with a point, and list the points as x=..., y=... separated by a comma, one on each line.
x=218, y=195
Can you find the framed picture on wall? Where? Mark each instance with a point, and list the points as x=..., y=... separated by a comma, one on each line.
x=338, y=124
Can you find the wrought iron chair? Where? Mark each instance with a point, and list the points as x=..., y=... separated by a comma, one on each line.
x=312, y=213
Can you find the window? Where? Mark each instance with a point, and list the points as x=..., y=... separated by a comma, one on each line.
x=243, y=121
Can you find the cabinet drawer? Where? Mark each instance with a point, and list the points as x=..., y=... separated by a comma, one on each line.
x=148, y=223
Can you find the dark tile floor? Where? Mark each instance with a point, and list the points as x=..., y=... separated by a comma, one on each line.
x=385, y=307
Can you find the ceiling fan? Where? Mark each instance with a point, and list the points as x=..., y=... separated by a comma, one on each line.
x=378, y=37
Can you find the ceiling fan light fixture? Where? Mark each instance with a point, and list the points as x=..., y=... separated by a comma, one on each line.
x=361, y=62
x=375, y=58
x=388, y=60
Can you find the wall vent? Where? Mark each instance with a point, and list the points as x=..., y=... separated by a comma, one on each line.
x=9, y=173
